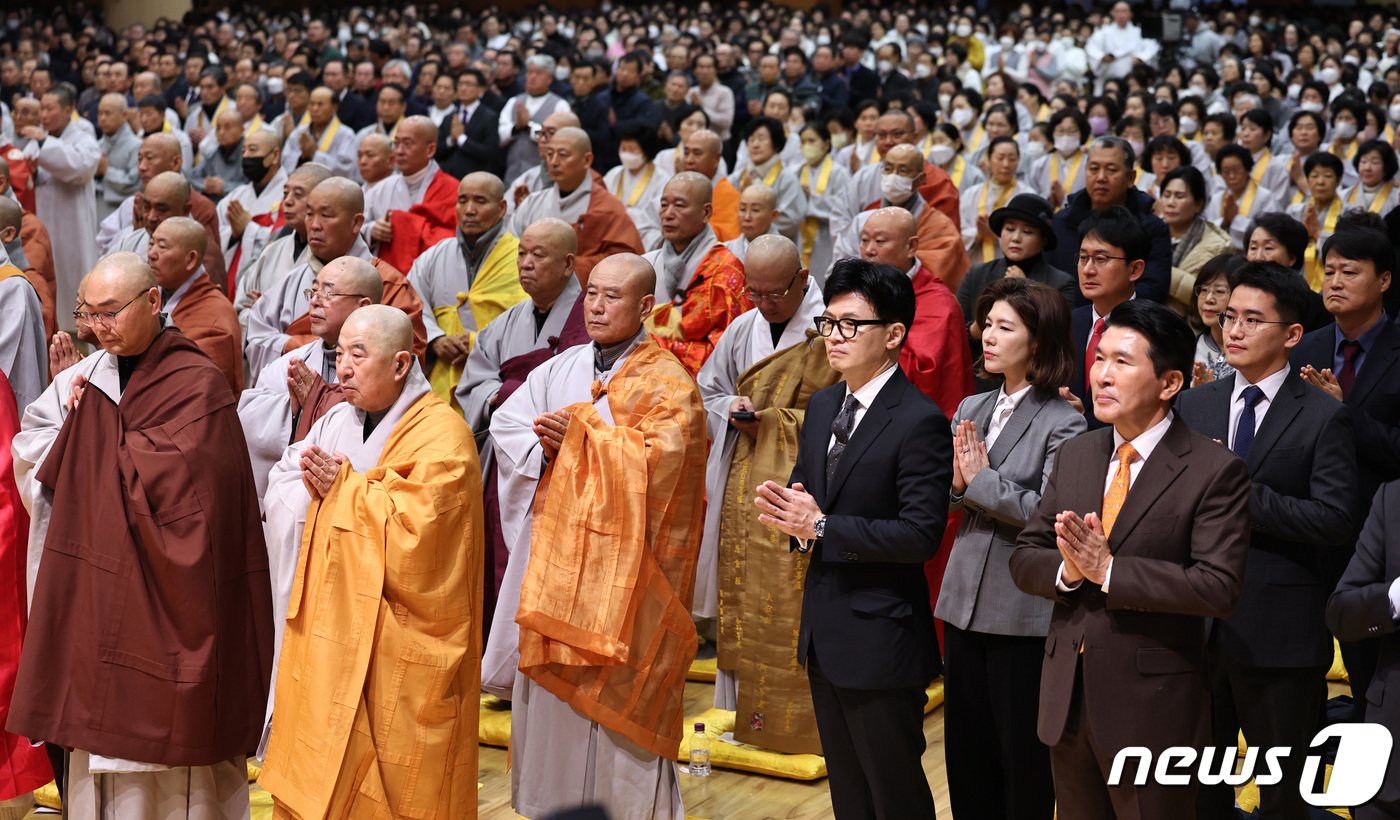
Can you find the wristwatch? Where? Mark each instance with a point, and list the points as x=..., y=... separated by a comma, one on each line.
x=819, y=527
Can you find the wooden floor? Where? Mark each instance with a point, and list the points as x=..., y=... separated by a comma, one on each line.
x=727, y=795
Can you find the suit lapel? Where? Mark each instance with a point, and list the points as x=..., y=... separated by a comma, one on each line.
x=876, y=418
x=1215, y=421
x=1284, y=407
x=1378, y=363
x=1158, y=473
x=1015, y=427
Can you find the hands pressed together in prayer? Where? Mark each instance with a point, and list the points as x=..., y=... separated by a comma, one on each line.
x=1200, y=374
x=238, y=218
x=306, y=144
x=75, y=395
x=1323, y=380
x=214, y=186
x=1083, y=546
x=319, y=469
x=300, y=382
x=969, y=455
x=62, y=353
x=452, y=349
x=551, y=427
x=789, y=510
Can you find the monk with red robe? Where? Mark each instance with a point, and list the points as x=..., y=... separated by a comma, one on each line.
x=579, y=197
x=23, y=767
x=149, y=646
x=700, y=285
x=404, y=235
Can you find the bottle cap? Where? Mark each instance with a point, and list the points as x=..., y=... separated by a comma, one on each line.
x=699, y=727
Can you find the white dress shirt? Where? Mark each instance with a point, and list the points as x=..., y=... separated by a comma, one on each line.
x=864, y=396
x=1001, y=412
x=1270, y=384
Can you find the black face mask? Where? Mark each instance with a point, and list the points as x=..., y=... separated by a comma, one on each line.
x=254, y=168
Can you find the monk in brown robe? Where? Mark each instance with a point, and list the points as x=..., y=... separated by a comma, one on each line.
x=196, y=306
x=375, y=524
x=149, y=647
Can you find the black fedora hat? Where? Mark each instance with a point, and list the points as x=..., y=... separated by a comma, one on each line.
x=1028, y=208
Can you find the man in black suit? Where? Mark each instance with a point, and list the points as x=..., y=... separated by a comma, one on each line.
x=1357, y=361
x=863, y=83
x=352, y=109
x=1112, y=257
x=868, y=500
x=1364, y=609
x=467, y=138
x=1139, y=538
x=1269, y=660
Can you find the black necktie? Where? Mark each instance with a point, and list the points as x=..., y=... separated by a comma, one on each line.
x=1244, y=428
x=841, y=428
x=1346, y=377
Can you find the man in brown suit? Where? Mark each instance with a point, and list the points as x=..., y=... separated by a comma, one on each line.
x=1141, y=535
x=195, y=305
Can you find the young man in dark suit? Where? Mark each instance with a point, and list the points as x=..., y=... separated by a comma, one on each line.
x=467, y=138
x=1139, y=538
x=868, y=501
x=1364, y=608
x=1112, y=256
x=1356, y=360
x=1269, y=660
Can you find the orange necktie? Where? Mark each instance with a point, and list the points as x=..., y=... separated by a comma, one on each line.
x=1118, y=490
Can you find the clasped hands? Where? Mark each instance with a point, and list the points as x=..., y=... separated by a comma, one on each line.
x=319, y=469
x=789, y=510
x=1083, y=546
x=551, y=428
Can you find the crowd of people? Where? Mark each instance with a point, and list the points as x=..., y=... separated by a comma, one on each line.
x=359, y=364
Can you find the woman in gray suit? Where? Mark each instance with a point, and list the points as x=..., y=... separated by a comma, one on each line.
x=1004, y=448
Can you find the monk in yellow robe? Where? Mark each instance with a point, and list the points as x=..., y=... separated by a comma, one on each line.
x=376, y=519
x=609, y=440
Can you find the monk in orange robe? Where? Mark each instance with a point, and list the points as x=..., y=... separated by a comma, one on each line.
x=700, y=282
x=196, y=305
x=609, y=440
x=579, y=197
x=404, y=235
x=701, y=153
x=374, y=525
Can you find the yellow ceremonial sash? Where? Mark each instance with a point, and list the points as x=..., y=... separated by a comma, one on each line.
x=1073, y=169
x=810, y=225
x=959, y=168
x=73, y=117
x=253, y=125
x=1312, y=266
x=324, y=144
x=305, y=118
x=927, y=145
x=1377, y=201
x=394, y=132
x=1043, y=115
x=1348, y=152
x=637, y=189
x=203, y=123
x=495, y=289
x=165, y=127
x=768, y=179
x=989, y=246
x=1260, y=166
x=979, y=134
x=1247, y=203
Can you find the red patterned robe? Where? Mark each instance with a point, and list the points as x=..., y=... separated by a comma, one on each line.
x=715, y=296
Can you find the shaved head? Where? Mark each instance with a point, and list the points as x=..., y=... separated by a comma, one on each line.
x=158, y=152
x=335, y=212
x=184, y=234
x=760, y=195
x=387, y=329
x=230, y=115
x=573, y=137
x=630, y=270
x=265, y=140
x=621, y=293
x=484, y=181
x=545, y=260
x=773, y=270
x=118, y=283
x=357, y=283
x=116, y=102
x=176, y=251
x=695, y=186
x=773, y=251
x=420, y=125
x=906, y=158
x=568, y=157
x=376, y=344
x=123, y=269
x=355, y=276
x=311, y=174
x=169, y=183
x=375, y=142
x=346, y=195
x=685, y=208
x=701, y=152
x=11, y=214
x=556, y=233
x=164, y=143
x=890, y=237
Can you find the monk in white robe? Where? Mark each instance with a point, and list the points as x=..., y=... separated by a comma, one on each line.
x=271, y=411
x=324, y=139
x=23, y=348
x=65, y=194
x=537, y=178
x=287, y=248
x=247, y=213
x=758, y=207
x=623, y=406
x=385, y=189
x=1115, y=48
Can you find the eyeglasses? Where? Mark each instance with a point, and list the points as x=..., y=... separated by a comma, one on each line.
x=756, y=296
x=1098, y=260
x=104, y=317
x=847, y=327
x=1218, y=293
x=1250, y=324
x=312, y=295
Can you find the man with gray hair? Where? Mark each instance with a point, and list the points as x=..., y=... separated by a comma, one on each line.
x=1108, y=181
x=524, y=113
x=117, y=168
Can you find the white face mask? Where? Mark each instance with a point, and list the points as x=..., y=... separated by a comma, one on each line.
x=631, y=160
x=1066, y=143
x=1294, y=90
x=839, y=141
x=923, y=71
x=561, y=72
x=944, y=100
x=964, y=30
x=897, y=189
x=274, y=85
x=936, y=53
x=961, y=117
x=1330, y=75
x=1035, y=150
x=1136, y=146
x=940, y=154
x=1344, y=130
x=1395, y=113
x=1200, y=91
x=1311, y=105
x=1370, y=64
x=885, y=66
x=362, y=27
x=1188, y=126
x=1008, y=42
x=823, y=39
x=1255, y=20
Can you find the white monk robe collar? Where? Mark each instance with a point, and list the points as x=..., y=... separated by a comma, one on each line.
x=417, y=184
x=549, y=202
x=747, y=341
x=563, y=380
x=265, y=409
x=341, y=430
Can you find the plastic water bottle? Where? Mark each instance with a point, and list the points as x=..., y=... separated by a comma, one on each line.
x=700, y=752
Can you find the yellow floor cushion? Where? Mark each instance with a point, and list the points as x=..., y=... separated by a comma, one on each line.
x=703, y=671
x=494, y=729
x=48, y=797
x=747, y=758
